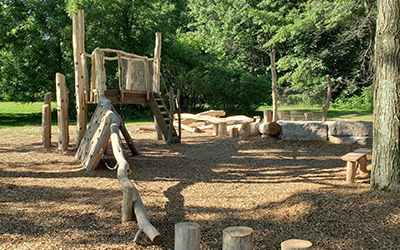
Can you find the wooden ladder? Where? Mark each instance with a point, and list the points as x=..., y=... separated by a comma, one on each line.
x=164, y=118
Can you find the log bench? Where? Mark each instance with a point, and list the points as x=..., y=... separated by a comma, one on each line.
x=357, y=157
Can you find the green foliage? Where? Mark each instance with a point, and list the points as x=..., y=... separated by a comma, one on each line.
x=350, y=99
x=236, y=91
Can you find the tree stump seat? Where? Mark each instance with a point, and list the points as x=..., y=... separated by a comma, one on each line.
x=357, y=157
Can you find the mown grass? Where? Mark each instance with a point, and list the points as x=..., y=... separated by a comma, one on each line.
x=27, y=117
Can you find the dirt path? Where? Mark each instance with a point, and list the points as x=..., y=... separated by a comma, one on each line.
x=281, y=189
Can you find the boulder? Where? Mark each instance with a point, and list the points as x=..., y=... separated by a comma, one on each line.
x=303, y=131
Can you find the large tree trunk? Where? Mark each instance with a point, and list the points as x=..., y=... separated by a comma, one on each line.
x=386, y=148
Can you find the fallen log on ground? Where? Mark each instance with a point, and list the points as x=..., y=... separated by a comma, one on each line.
x=267, y=128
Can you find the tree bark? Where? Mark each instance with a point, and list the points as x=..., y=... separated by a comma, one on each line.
x=386, y=147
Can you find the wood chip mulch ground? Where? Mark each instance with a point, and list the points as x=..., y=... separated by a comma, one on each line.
x=281, y=189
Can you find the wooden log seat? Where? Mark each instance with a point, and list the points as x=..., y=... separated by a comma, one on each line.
x=354, y=159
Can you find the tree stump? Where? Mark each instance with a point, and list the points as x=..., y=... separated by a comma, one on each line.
x=187, y=236
x=237, y=238
x=296, y=244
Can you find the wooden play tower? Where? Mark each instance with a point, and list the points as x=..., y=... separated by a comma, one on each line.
x=139, y=82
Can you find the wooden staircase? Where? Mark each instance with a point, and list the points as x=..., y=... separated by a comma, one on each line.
x=164, y=118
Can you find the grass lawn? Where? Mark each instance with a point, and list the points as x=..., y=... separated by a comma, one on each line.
x=28, y=117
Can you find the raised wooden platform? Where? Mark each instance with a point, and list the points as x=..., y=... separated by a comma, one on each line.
x=126, y=96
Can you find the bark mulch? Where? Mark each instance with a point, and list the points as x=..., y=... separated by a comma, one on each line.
x=281, y=189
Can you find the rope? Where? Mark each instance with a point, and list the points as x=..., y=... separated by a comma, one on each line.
x=105, y=162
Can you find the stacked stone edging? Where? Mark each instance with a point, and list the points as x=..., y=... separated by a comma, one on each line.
x=338, y=132
x=345, y=132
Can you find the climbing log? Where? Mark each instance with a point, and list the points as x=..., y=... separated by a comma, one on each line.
x=130, y=193
x=62, y=112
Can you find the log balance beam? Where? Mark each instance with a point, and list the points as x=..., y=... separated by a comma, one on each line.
x=104, y=125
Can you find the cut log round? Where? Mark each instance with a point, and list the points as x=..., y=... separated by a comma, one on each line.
x=269, y=128
x=187, y=236
x=237, y=238
x=296, y=244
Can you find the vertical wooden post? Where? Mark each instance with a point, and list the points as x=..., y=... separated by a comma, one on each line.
x=328, y=99
x=62, y=112
x=234, y=132
x=215, y=129
x=281, y=115
x=237, y=238
x=79, y=49
x=296, y=244
x=156, y=78
x=274, y=86
x=171, y=115
x=245, y=132
x=222, y=129
x=267, y=115
x=46, y=121
x=351, y=172
x=100, y=73
x=308, y=116
x=187, y=236
x=293, y=115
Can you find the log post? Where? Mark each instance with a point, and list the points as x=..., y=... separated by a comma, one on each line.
x=171, y=115
x=46, y=121
x=245, y=132
x=156, y=78
x=215, y=129
x=234, y=132
x=62, y=112
x=222, y=129
x=328, y=99
x=79, y=49
x=281, y=115
x=308, y=116
x=293, y=115
x=267, y=115
x=296, y=244
x=187, y=236
x=362, y=166
x=237, y=238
